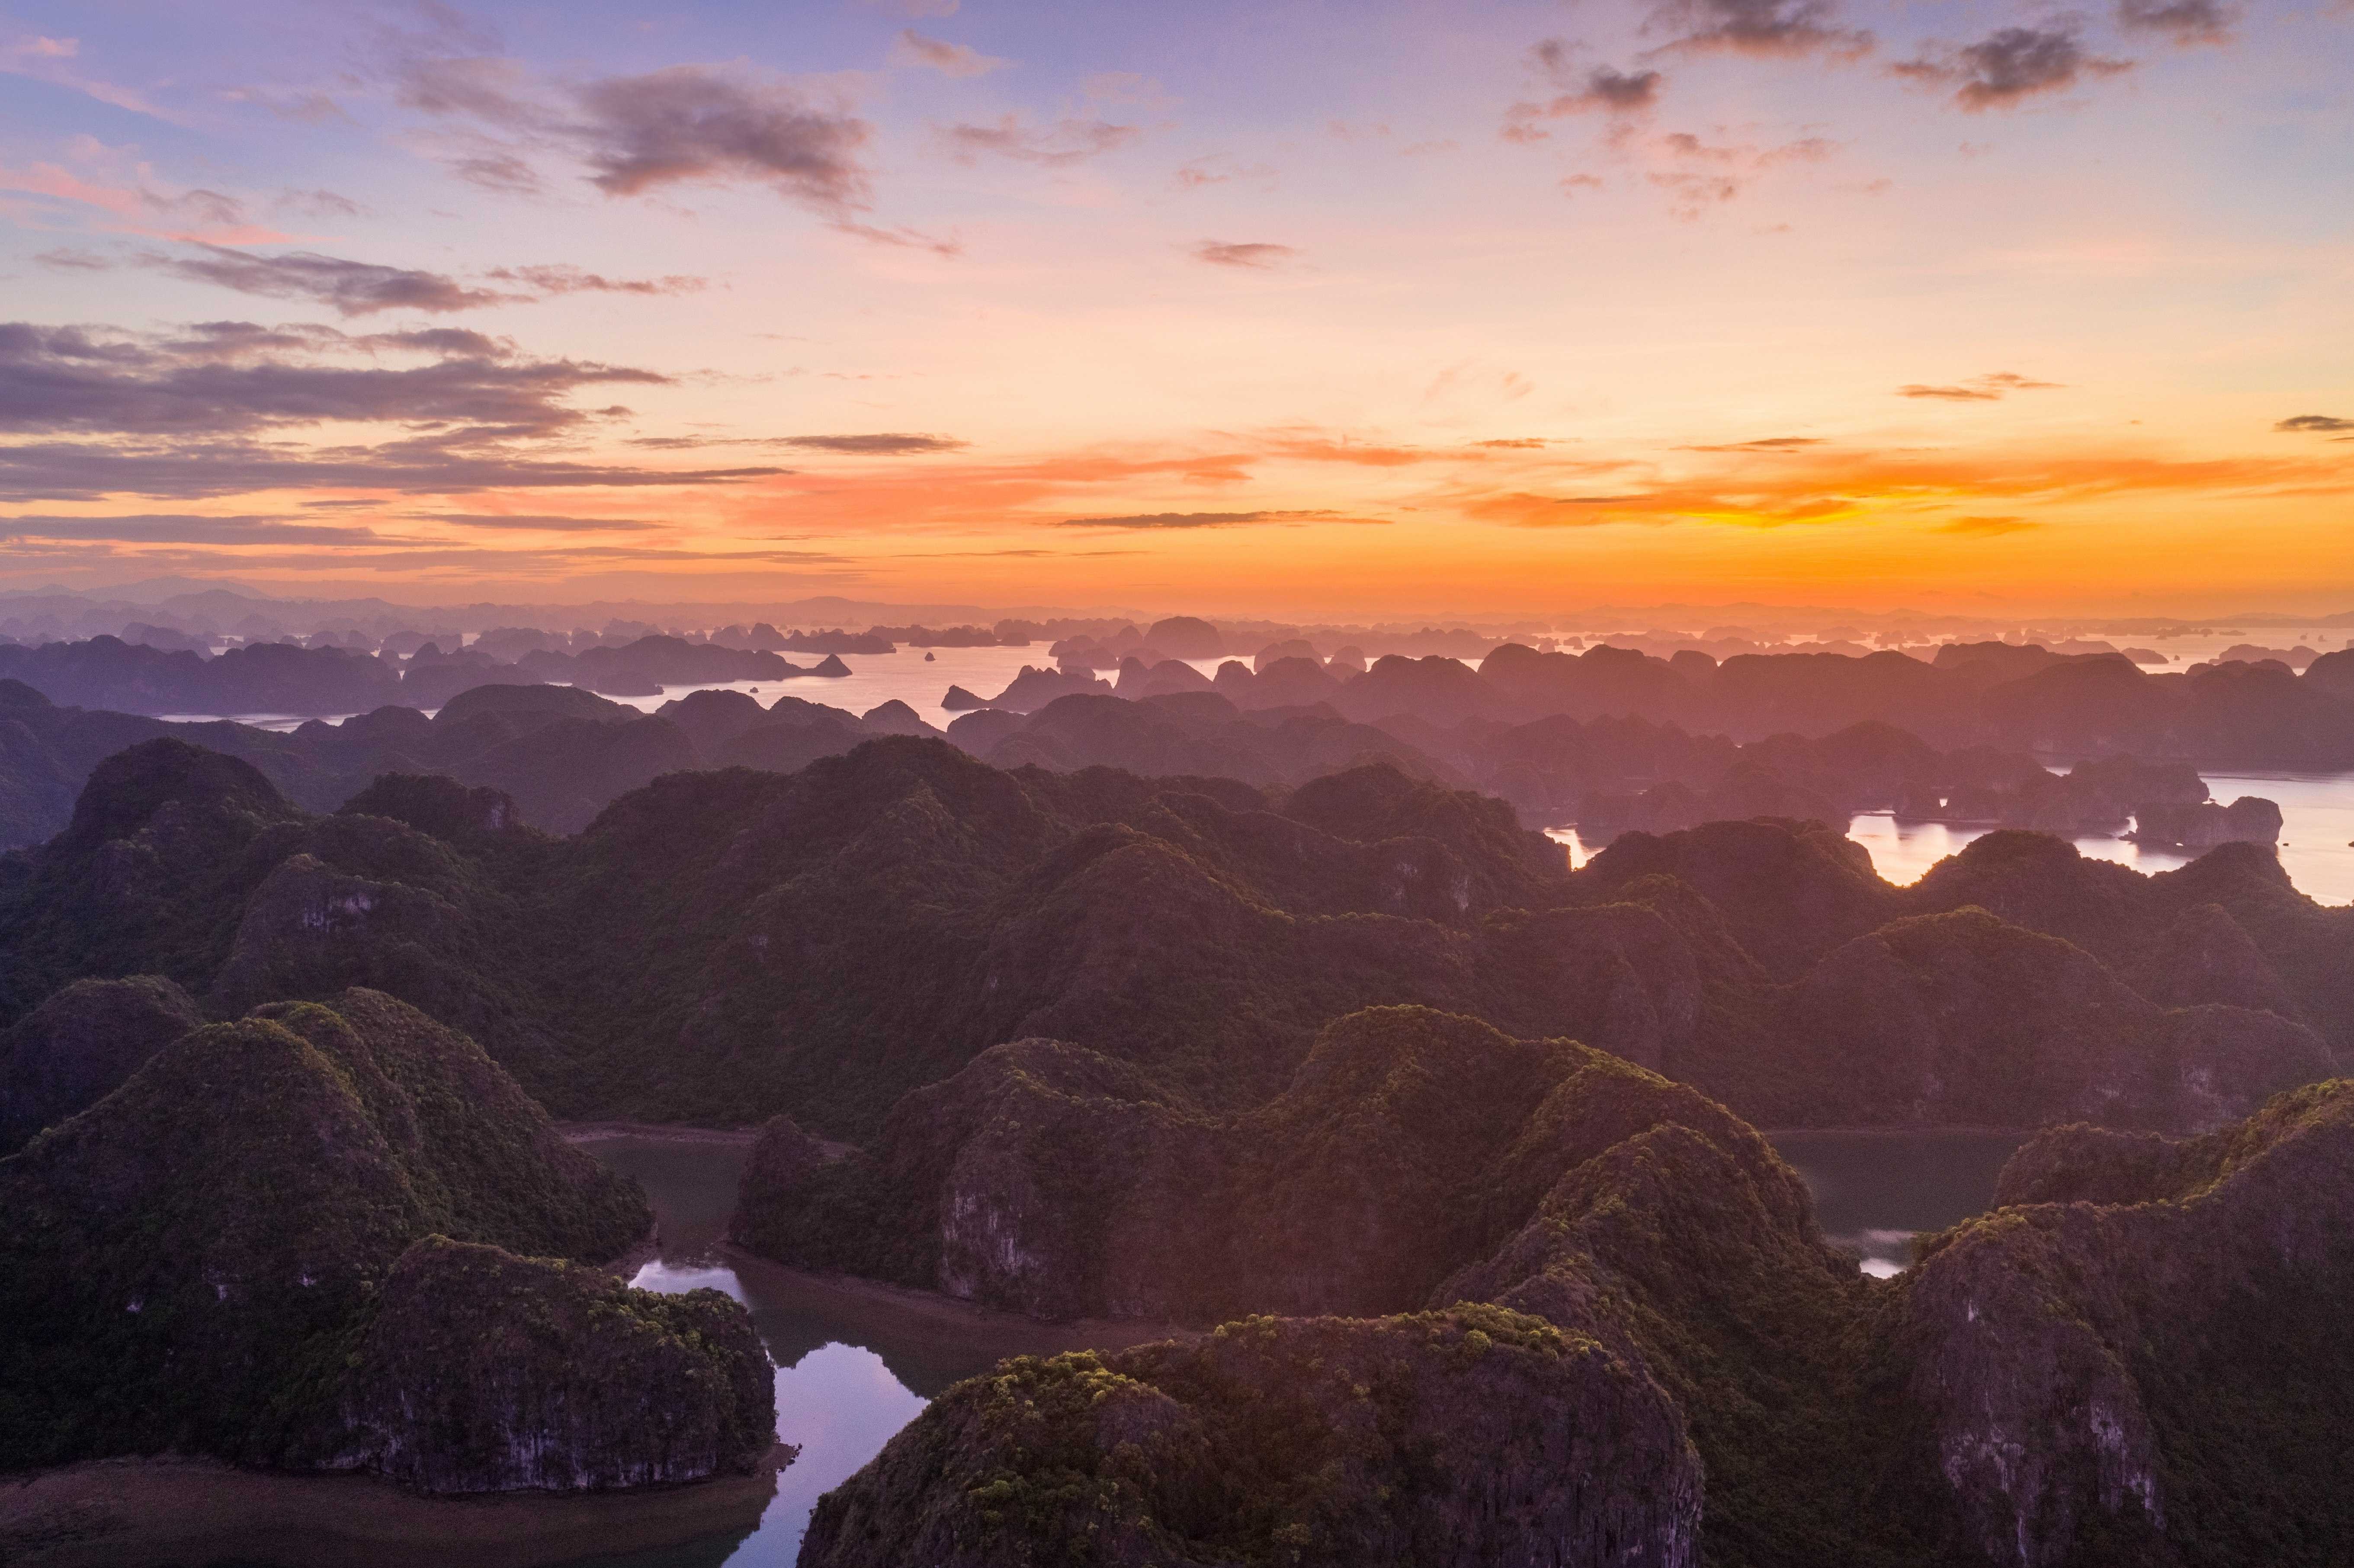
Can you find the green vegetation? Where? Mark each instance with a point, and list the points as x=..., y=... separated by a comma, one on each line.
x=1422, y=1440
x=207, y=1260
x=720, y=947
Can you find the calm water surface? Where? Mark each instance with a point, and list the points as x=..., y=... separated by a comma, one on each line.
x=2316, y=845
x=854, y=1365
x=1874, y=1192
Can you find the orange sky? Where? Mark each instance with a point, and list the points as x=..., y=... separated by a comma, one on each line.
x=1242, y=309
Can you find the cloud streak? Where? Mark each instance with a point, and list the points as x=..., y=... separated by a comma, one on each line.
x=348, y=288
x=2011, y=66
x=1256, y=254
x=55, y=379
x=1766, y=29
x=168, y=529
x=691, y=124
x=1979, y=390
x=2184, y=21
x=538, y=522
x=1057, y=146
x=195, y=470
x=1153, y=521
x=912, y=49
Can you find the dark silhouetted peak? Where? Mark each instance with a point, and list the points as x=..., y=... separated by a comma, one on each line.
x=959, y=701
x=434, y=804
x=1290, y=648
x=895, y=717
x=980, y=731
x=2332, y=673
x=1997, y=661
x=1186, y=637
x=712, y=718
x=831, y=665
x=127, y=789
x=2234, y=864
x=16, y=696
x=567, y=702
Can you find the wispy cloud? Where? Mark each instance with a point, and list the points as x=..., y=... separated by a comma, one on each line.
x=547, y=282
x=232, y=378
x=538, y=522
x=207, y=410
x=1056, y=147
x=691, y=124
x=1841, y=485
x=192, y=470
x=881, y=444
x=2313, y=424
x=116, y=182
x=912, y=49
x=55, y=61
x=1601, y=88
x=1765, y=27
x=2011, y=66
x=348, y=288
x=158, y=529
x=1979, y=389
x=2185, y=22
x=1164, y=520
x=1256, y=254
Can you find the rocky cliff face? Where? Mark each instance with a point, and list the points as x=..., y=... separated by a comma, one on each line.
x=2147, y=1360
x=1047, y=1180
x=1416, y=1160
x=1313, y=1441
x=1961, y=1019
x=194, y=1263
x=2141, y=1359
x=483, y=1371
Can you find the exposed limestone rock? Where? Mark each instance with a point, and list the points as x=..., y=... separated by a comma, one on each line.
x=183, y=1264
x=483, y=1371
x=2251, y=820
x=1315, y=1442
x=2149, y=1362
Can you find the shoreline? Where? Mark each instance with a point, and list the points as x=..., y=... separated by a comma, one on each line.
x=935, y=1309
x=107, y=1513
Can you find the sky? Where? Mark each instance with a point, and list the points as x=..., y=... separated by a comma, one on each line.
x=1289, y=308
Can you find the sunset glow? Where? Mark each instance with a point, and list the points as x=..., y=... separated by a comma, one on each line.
x=1289, y=309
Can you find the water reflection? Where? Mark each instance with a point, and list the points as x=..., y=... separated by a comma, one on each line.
x=855, y=1363
x=2317, y=846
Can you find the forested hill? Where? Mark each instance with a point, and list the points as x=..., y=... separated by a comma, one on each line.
x=721, y=946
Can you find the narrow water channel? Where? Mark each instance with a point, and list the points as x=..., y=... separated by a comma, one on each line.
x=854, y=1362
